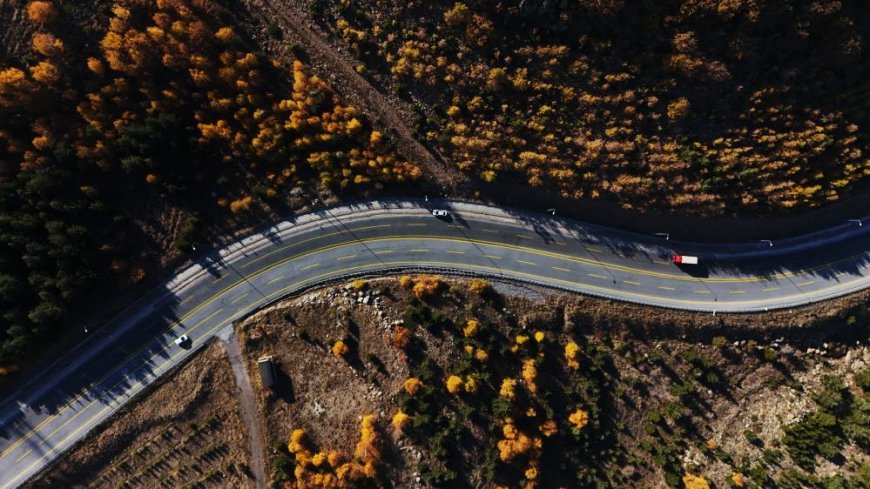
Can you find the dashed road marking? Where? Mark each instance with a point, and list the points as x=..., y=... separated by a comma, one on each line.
x=419, y=250
x=662, y=262
x=769, y=289
x=348, y=257
x=309, y=266
x=702, y=291
x=736, y=291
x=491, y=231
x=804, y=284
x=593, y=250
x=527, y=262
x=416, y=224
x=665, y=287
x=560, y=243
x=276, y=279
x=524, y=236
x=493, y=257
x=456, y=252
x=383, y=252
x=596, y=275
x=561, y=269
x=632, y=282
x=237, y=299
x=23, y=455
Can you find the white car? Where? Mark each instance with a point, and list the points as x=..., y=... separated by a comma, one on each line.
x=182, y=340
x=440, y=213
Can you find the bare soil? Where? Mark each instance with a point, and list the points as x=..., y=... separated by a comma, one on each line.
x=764, y=373
x=185, y=432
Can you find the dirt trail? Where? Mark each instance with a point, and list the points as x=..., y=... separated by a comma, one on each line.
x=338, y=68
x=248, y=403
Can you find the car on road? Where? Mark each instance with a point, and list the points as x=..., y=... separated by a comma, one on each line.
x=182, y=340
x=440, y=213
x=685, y=260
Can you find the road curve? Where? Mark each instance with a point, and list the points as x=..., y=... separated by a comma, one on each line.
x=58, y=407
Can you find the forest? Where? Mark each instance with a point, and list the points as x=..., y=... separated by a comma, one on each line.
x=171, y=107
x=134, y=130
x=695, y=106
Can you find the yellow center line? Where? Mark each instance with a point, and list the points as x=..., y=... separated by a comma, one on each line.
x=456, y=252
x=539, y=252
x=596, y=275
x=348, y=257
x=527, y=262
x=124, y=379
x=665, y=287
x=276, y=279
x=237, y=299
x=736, y=291
x=375, y=265
x=561, y=269
x=804, y=284
x=631, y=282
x=309, y=266
x=308, y=240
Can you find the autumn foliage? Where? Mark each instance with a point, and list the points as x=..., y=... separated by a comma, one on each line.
x=676, y=105
x=333, y=469
x=168, y=104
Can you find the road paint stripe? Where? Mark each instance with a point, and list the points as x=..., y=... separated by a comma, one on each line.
x=661, y=262
x=419, y=250
x=313, y=238
x=479, y=267
x=527, y=262
x=736, y=291
x=702, y=291
x=456, y=252
x=416, y=224
x=276, y=279
x=632, y=282
x=562, y=269
x=237, y=299
x=493, y=257
x=23, y=455
x=309, y=266
x=560, y=243
x=348, y=257
x=665, y=287
x=539, y=252
x=769, y=289
x=524, y=236
x=804, y=284
x=220, y=293
x=596, y=275
x=593, y=250
x=492, y=231
x=185, y=301
x=383, y=252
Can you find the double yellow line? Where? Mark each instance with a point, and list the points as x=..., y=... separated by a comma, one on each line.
x=284, y=290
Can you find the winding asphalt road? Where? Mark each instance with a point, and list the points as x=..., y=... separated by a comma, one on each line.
x=57, y=408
